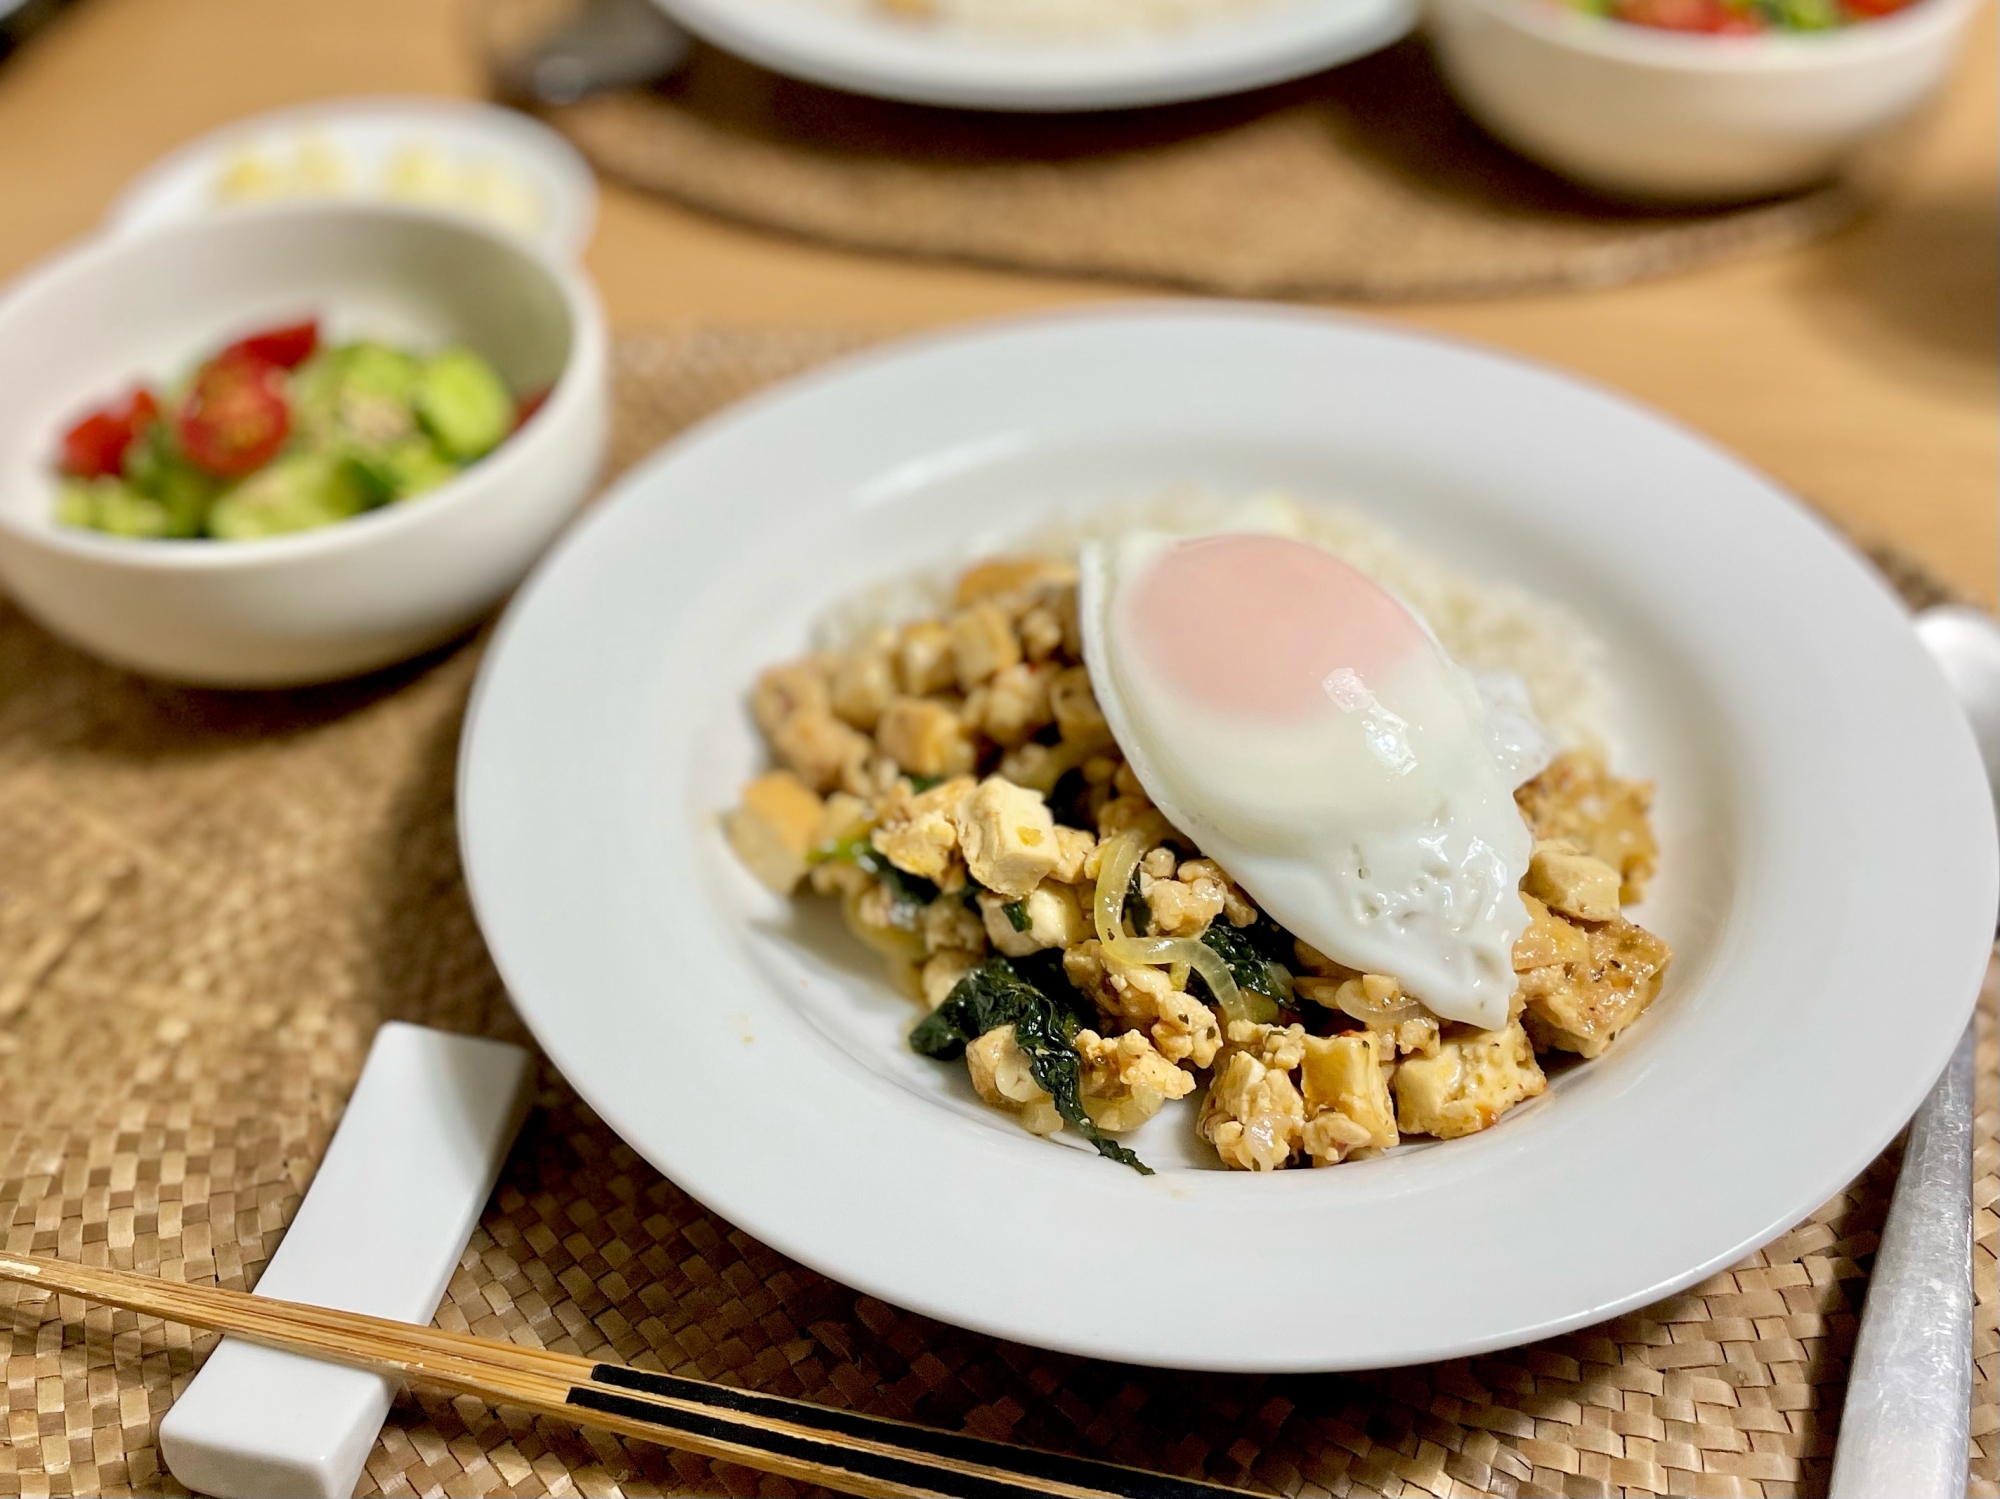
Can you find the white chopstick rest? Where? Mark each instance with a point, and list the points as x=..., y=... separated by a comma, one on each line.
x=380, y=1231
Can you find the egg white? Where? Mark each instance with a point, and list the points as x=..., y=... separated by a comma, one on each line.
x=1385, y=834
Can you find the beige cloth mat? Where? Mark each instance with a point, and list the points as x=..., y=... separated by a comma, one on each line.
x=207, y=904
x=1364, y=182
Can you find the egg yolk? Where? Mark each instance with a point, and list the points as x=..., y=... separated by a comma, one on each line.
x=1264, y=626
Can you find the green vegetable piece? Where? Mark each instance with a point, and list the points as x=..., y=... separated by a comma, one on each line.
x=298, y=492
x=156, y=468
x=123, y=513
x=109, y=505
x=1137, y=912
x=1034, y=997
x=76, y=502
x=406, y=468
x=1017, y=915
x=378, y=370
x=908, y=893
x=462, y=403
x=1248, y=952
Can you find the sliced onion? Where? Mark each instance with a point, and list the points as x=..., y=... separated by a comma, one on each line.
x=1204, y=960
x=1121, y=856
x=1353, y=999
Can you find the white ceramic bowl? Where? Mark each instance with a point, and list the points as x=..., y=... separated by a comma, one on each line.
x=1641, y=112
x=320, y=604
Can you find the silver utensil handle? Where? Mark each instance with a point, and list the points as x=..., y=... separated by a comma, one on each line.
x=1905, y=1429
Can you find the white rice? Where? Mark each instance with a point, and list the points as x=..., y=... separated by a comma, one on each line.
x=1487, y=626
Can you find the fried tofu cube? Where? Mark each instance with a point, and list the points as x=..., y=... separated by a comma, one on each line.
x=1050, y=916
x=1074, y=847
x=941, y=972
x=923, y=658
x=773, y=829
x=787, y=689
x=982, y=644
x=1003, y=575
x=1002, y=1076
x=1566, y=879
x=1578, y=799
x=1347, y=1096
x=1074, y=706
x=824, y=751
x=1549, y=939
x=917, y=833
x=1016, y=704
x=1582, y=1007
x=864, y=682
x=925, y=738
x=1007, y=836
x=1252, y=1114
x=1475, y=1077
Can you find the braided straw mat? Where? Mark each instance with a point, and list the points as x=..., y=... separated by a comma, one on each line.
x=1364, y=182
x=209, y=901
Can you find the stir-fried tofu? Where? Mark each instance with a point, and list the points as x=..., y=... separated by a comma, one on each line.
x=1007, y=836
x=1580, y=1006
x=865, y=682
x=925, y=738
x=772, y=830
x=1253, y=1114
x=923, y=658
x=917, y=833
x=1013, y=705
x=1567, y=879
x=959, y=750
x=1047, y=916
x=1579, y=800
x=941, y=972
x=982, y=643
x=1475, y=1077
x=1346, y=1095
x=1001, y=1075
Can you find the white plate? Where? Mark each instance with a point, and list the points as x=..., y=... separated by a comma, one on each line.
x=1263, y=44
x=461, y=141
x=1828, y=882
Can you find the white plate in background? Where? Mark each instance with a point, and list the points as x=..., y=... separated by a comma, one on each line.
x=1828, y=877
x=494, y=164
x=1266, y=42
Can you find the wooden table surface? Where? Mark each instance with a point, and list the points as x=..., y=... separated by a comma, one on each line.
x=1861, y=372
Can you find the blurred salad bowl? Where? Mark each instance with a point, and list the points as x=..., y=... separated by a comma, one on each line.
x=1694, y=100
x=293, y=444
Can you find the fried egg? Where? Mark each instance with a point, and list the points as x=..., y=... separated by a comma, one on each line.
x=1307, y=730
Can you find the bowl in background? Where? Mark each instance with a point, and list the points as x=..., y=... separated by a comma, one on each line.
x=1641, y=112
x=315, y=605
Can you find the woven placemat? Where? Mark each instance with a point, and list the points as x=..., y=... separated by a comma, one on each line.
x=1363, y=182
x=207, y=904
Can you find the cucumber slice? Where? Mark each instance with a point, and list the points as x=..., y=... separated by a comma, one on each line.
x=299, y=492
x=461, y=403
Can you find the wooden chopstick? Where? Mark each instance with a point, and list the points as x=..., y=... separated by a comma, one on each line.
x=841, y=1450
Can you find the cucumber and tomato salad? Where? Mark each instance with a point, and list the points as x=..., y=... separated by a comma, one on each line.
x=279, y=432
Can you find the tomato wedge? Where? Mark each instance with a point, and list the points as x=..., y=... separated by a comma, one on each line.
x=235, y=417
x=287, y=347
x=95, y=447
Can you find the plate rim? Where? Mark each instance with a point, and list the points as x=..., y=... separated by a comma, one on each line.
x=750, y=411
x=858, y=56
